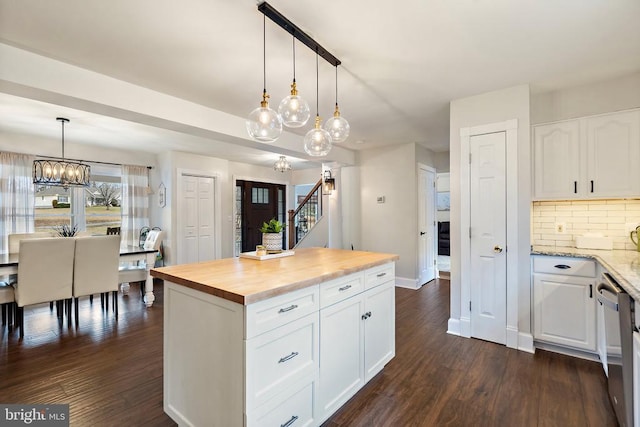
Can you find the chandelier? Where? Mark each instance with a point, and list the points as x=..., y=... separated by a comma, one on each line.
x=282, y=165
x=60, y=172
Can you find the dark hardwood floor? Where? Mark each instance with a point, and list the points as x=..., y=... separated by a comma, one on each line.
x=111, y=372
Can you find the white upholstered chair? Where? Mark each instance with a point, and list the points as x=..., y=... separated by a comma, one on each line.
x=45, y=273
x=96, y=268
x=14, y=239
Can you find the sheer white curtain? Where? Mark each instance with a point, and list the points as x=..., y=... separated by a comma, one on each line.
x=135, y=203
x=17, y=197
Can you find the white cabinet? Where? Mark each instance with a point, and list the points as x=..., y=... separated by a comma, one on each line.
x=556, y=154
x=590, y=157
x=357, y=339
x=564, y=301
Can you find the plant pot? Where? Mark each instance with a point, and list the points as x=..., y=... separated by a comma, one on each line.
x=272, y=242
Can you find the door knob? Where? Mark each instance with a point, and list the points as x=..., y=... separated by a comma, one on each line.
x=497, y=249
x=422, y=233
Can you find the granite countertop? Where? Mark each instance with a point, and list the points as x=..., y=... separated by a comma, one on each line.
x=624, y=266
x=246, y=281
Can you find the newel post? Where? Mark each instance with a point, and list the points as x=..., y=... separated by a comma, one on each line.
x=291, y=228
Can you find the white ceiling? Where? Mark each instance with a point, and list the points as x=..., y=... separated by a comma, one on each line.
x=402, y=62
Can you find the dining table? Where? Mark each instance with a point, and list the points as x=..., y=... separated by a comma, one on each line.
x=9, y=265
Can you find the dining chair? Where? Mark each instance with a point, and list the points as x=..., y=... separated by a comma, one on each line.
x=138, y=273
x=95, y=269
x=14, y=248
x=45, y=273
x=113, y=230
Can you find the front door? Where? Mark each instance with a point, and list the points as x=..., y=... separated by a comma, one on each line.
x=260, y=202
x=488, y=237
x=426, y=225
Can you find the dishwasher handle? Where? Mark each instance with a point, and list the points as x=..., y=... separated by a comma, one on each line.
x=609, y=286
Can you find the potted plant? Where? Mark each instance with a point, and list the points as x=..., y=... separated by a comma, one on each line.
x=272, y=235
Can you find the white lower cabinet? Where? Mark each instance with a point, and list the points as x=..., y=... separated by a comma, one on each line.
x=357, y=339
x=564, y=302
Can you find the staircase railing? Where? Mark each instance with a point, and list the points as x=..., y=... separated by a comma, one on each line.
x=302, y=220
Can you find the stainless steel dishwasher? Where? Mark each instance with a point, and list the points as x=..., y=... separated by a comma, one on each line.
x=619, y=341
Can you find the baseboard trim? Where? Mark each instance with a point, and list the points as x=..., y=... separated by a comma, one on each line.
x=582, y=354
x=465, y=327
x=512, y=337
x=403, y=282
x=525, y=343
x=453, y=326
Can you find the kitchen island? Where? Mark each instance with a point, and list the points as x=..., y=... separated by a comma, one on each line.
x=284, y=341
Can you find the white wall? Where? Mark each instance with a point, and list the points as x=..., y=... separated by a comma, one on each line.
x=492, y=107
x=392, y=226
x=618, y=94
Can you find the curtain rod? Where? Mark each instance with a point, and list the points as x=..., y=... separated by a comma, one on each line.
x=91, y=161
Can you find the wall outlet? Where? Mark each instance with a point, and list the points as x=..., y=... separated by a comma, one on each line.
x=561, y=227
x=631, y=226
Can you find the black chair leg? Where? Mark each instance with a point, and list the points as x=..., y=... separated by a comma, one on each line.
x=11, y=314
x=51, y=305
x=20, y=316
x=76, y=312
x=4, y=314
x=102, y=300
x=115, y=303
x=91, y=299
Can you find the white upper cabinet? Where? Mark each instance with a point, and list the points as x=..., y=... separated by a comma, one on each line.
x=557, y=159
x=588, y=158
x=613, y=155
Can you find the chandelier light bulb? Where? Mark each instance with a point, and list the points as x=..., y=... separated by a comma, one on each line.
x=337, y=127
x=294, y=110
x=317, y=142
x=264, y=124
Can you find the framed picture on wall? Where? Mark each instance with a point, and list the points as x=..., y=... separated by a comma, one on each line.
x=162, y=195
x=443, y=201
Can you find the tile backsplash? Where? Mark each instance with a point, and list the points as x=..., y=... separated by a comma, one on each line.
x=608, y=217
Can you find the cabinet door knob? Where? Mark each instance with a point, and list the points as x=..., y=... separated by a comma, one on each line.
x=422, y=233
x=497, y=249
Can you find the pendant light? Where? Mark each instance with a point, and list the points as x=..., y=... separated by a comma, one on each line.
x=293, y=109
x=337, y=126
x=61, y=172
x=264, y=124
x=282, y=165
x=317, y=142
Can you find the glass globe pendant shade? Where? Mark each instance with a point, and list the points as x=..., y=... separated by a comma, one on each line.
x=337, y=127
x=294, y=110
x=317, y=142
x=264, y=124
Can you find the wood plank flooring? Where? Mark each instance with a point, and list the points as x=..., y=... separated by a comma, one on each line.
x=111, y=372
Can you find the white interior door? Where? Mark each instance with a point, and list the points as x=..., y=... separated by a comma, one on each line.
x=197, y=213
x=426, y=224
x=488, y=236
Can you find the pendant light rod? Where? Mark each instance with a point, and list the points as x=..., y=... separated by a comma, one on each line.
x=62, y=120
x=296, y=32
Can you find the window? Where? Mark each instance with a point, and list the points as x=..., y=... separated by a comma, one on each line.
x=54, y=206
x=260, y=196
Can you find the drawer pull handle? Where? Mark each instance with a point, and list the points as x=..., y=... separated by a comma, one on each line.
x=381, y=275
x=291, y=307
x=562, y=266
x=289, y=357
x=344, y=288
x=290, y=422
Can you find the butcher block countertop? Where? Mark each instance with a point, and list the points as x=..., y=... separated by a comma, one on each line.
x=246, y=281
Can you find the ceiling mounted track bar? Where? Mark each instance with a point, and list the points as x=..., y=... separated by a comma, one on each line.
x=296, y=32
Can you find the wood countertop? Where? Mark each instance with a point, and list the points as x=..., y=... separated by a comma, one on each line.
x=246, y=281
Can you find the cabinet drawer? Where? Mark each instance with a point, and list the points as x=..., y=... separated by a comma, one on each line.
x=566, y=266
x=339, y=289
x=295, y=410
x=378, y=275
x=279, y=358
x=269, y=314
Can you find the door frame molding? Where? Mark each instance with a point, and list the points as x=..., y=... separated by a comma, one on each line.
x=510, y=128
x=217, y=210
x=434, y=229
